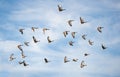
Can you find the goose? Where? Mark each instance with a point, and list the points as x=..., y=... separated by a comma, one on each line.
x=65, y=33
x=75, y=60
x=66, y=60
x=49, y=40
x=60, y=8
x=70, y=22
x=26, y=43
x=71, y=43
x=82, y=21
x=20, y=48
x=21, y=30
x=100, y=29
x=90, y=42
x=73, y=34
x=35, y=40
x=84, y=36
x=11, y=57
x=33, y=28
x=45, y=29
x=82, y=64
x=103, y=47
x=46, y=60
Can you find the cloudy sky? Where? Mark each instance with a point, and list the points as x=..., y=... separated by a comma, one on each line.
x=17, y=14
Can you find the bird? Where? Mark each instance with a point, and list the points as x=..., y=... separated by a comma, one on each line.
x=20, y=62
x=21, y=31
x=75, y=60
x=23, y=56
x=49, y=40
x=60, y=8
x=20, y=48
x=26, y=43
x=33, y=28
x=82, y=64
x=73, y=34
x=66, y=60
x=35, y=40
x=11, y=57
x=45, y=29
x=71, y=43
x=65, y=33
x=90, y=42
x=84, y=36
x=100, y=29
x=86, y=54
x=24, y=63
x=70, y=22
x=46, y=60
x=82, y=21
x=103, y=47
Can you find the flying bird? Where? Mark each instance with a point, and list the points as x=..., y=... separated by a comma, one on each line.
x=11, y=57
x=35, y=40
x=71, y=43
x=103, y=47
x=60, y=8
x=23, y=56
x=33, y=28
x=49, y=40
x=66, y=60
x=65, y=33
x=82, y=21
x=21, y=30
x=70, y=22
x=90, y=42
x=23, y=62
x=73, y=34
x=26, y=43
x=82, y=64
x=20, y=48
x=86, y=54
x=45, y=29
x=46, y=60
x=84, y=36
x=100, y=29
x=75, y=60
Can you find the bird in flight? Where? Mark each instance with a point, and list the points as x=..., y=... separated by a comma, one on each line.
x=20, y=48
x=66, y=60
x=86, y=54
x=33, y=28
x=100, y=29
x=65, y=33
x=46, y=60
x=45, y=29
x=60, y=8
x=35, y=40
x=103, y=47
x=24, y=63
x=75, y=60
x=22, y=54
x=82, y=21
x=71, y=43
x=82, y=64
x=73, y=34
x=90, y=42
x=21, y=30
x=26, y=43
x=49, y=40
x=11, y=57
x=84, y=36
x=70, y=22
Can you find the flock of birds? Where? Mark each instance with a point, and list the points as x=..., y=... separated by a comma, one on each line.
x=65, y=33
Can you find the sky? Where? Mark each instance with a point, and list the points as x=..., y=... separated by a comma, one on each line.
x=17, y=14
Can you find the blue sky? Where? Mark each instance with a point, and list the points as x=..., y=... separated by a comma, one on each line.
x=16, y=14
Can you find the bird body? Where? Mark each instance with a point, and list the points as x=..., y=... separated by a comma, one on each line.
x=26, y=43
x=49, y=40
x=71, y=43
x=73, y=34
x=21, y=31
x=20, y=48
x=90, y=42
x=35, y=40
x=11, y=57
x=86, y=54
x=82, y=64
x=84, y=36
x=100, y=29
x=70, y=22
x=103, y=47
x=60, y=8
x=33, y=28
x=66, y=60
x=82, y=21
x=75, y=60
x=46, y=60
x=65, y=33
x=45, y=29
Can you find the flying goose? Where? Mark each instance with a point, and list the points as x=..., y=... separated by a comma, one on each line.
x=84, y=36
x=73, y=34
x=71, y=43
x=49, y=40
x=82, y=64
x=86, y=54
x=26, y=43
x=20, y=48
x=46, y=60
x=35, y=40
x=100, y=29
x=66, y=60
x=45, y=29
x=90, y=42
x=103, y=47
x=21, y=31
x=60, y=8
x=75, y=60
x=70, y=22
x=65, y=33
x=33, y=28
x=23, y=56
x=82, y=21
x=11, y=57
x=23, y=62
